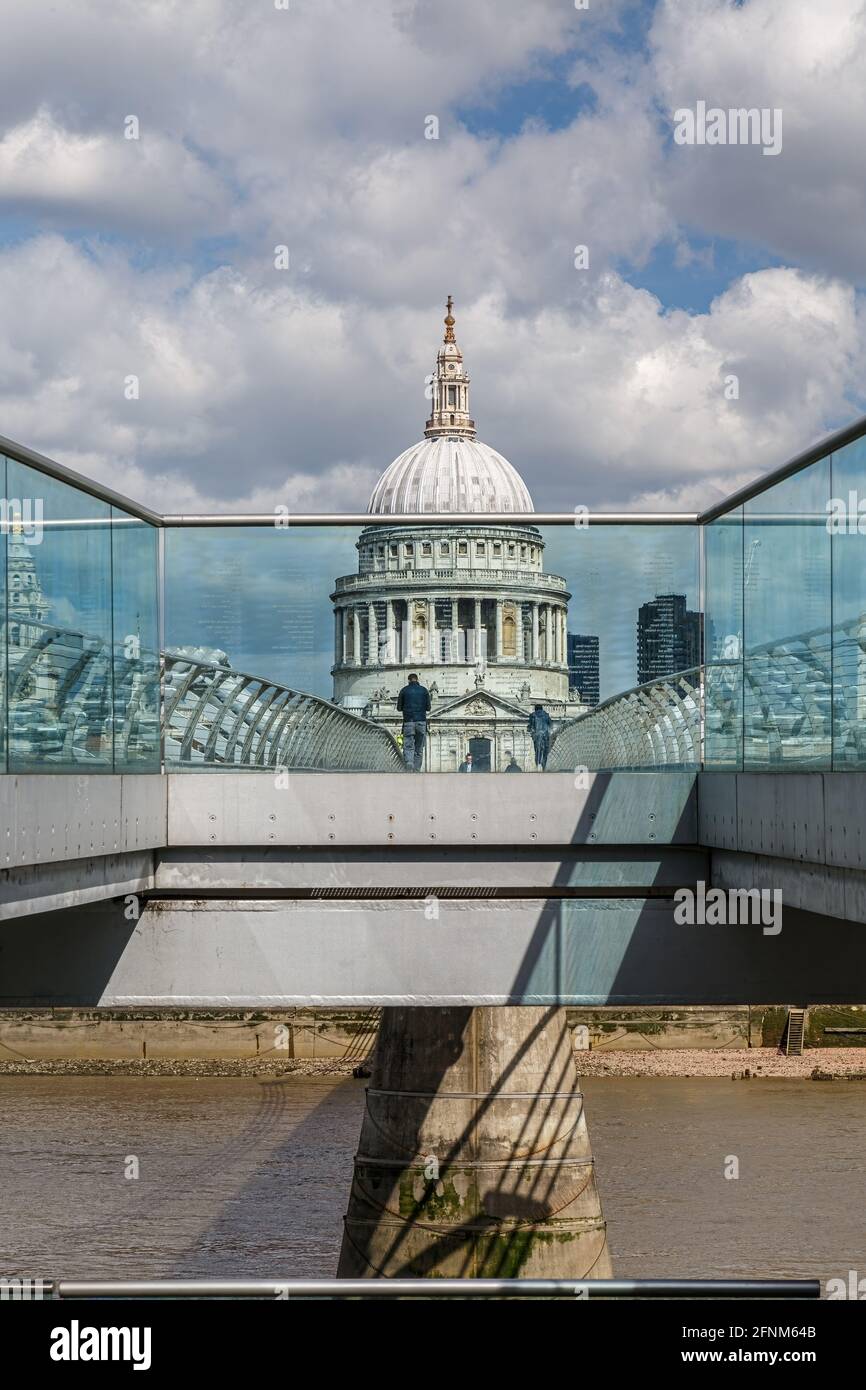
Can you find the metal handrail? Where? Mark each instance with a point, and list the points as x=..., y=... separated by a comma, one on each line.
x=435, y=1288
x=828, y=445
x=261, y=721
x=664, y=722
x=838, y=439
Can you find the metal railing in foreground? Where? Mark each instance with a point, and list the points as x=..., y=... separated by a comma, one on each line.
x=75, y=700
x=436, y=1288
x=795, y=702
x=216, y=716
x=654, y=725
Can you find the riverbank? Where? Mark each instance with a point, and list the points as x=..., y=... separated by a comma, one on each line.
x=241, y=1041
x=756, y=1062
x=191, y=1066
x=826, y=1063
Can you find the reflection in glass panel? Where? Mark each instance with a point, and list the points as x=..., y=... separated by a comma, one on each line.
x=635, y=589
x=136, y=644
x=723, y=675
x=59, y=626
x=847, y=523
x=250, y=663
x=5, y=523
x=264, y=623
x=787, y=693
x=258, y=599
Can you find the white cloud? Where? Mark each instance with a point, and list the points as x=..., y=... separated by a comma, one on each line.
x=251, y=398
x=807, y=204
x=306, y=127
x=146, y=185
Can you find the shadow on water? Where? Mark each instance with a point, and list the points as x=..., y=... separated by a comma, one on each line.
x=237, y=1177
x=276, y=1198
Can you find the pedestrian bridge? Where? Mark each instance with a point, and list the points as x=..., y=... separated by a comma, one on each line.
x=222, y=889
x=176, y=831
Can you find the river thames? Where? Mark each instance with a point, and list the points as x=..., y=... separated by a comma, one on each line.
x=119, y=1177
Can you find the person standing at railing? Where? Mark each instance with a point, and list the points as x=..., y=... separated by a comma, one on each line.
x=539, y=727
x=414, y=704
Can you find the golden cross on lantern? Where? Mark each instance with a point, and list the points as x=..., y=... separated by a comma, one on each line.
x=449, y=322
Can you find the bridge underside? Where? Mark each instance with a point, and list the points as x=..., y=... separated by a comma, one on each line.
x=221, y=890
x=224, y=953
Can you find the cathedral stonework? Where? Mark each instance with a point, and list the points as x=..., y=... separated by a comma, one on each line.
x=468, y=606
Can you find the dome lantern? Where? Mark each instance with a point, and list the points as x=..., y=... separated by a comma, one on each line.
x=450, y=413
x=450, y=470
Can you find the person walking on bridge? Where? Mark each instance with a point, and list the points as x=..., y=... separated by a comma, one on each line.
x=414, y=704
x=539, y=728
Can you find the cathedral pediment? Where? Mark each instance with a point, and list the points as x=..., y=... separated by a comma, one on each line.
x=483, y=705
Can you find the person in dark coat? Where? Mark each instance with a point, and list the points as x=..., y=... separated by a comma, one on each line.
x=539, y=727
x=414, y=704
x=514, y=765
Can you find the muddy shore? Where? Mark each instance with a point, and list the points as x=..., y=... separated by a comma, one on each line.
x=740, y=1063
x=826, y=1063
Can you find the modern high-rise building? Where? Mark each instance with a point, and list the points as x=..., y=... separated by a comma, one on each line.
x=669, y=638
x=583, y=666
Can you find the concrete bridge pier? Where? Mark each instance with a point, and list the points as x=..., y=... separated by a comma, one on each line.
x=474, y=1159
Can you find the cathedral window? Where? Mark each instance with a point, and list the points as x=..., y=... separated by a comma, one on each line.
x=444, y=548
x=426, y=548
x=462, y=548
x=481, y=548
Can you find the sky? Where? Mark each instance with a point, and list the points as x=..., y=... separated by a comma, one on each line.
x=262, y=385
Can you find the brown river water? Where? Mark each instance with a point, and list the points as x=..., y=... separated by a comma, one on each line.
x=250, y=1176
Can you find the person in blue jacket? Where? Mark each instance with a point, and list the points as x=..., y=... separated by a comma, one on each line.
x=414, y=704
x=539, y=728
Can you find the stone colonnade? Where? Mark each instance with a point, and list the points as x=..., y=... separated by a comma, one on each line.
x=524, y=631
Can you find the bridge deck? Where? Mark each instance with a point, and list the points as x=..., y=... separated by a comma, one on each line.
x=223, y=889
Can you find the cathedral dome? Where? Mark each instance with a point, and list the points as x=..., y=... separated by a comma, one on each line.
x=450, y=470
x=444, y=474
